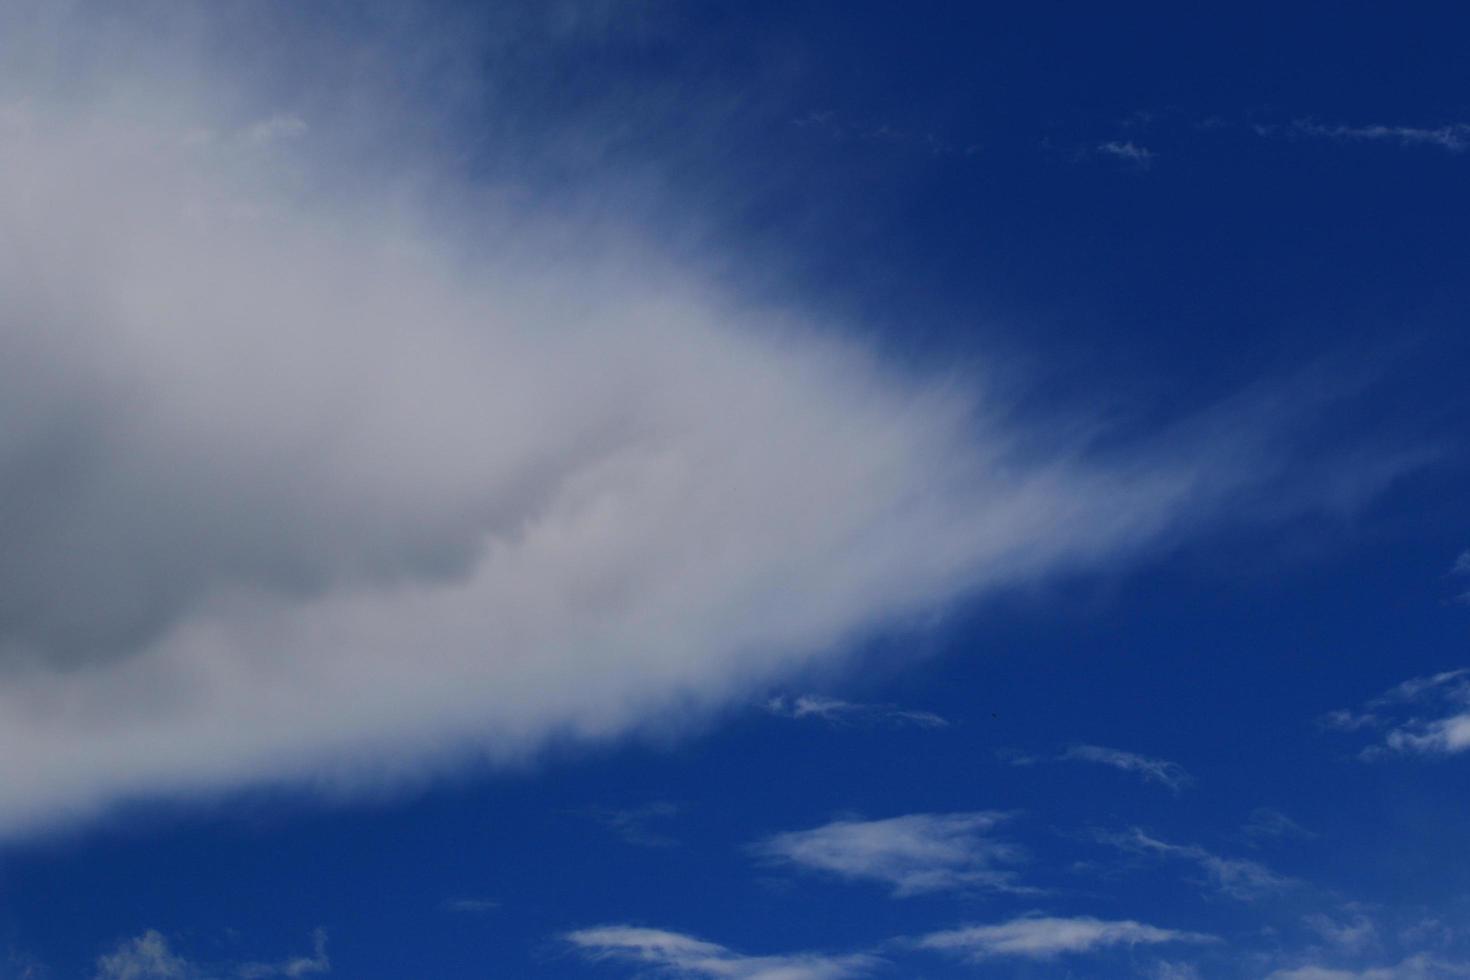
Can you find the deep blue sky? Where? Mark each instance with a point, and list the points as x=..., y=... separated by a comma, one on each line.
x=1283, y=205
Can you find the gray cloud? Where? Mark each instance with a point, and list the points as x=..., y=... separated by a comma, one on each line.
x=323, y=463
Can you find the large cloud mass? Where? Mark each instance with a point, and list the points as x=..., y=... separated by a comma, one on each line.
x=297, y=482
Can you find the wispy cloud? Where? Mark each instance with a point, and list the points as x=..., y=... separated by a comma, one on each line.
x=679, y=955
x=1042, y=937
x=1454, y=137
x=1129, y=152
x=1461, y=568
x=1420, y=967
x=837, y=712
x=914, y=854
x=1160, y=771
x=1353, y=933
x=1427, y=716
x=1238, y=878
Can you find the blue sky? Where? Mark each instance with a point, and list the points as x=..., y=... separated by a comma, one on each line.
x=759, y=491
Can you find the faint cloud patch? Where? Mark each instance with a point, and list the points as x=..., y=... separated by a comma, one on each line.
x=636, y=825
x=1266, y=824
x=1239, y=878
x=683, y=956
x=914, y=854
x=1134, y=154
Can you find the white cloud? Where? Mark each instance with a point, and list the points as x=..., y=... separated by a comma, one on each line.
x=1161, y=771
x=915, y=854
x=1238, y=878
x=1427, y=715
x=329, y=466
x=678, y=955
x=1046, y=937
x=837, y=712
x=1454, y=137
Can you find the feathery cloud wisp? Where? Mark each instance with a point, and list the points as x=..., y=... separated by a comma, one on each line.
x=1238, y=878
x=1161, y=771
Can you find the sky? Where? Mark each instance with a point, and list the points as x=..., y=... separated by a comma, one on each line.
x=750, y=491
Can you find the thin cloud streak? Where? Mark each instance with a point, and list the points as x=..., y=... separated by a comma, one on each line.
x=1161, y=771
x=1041, y=937
x=837, y=712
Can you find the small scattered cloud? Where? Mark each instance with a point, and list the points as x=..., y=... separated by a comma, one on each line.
x=913, y=854
x=150, y=957
x=1427, y=716
x=1454, y=137
x=299, y=966
x=635, y=825
x=1040, y=937
x=1462, y=564
x=847, y=129
x=836, y=712
x=1129, y=152
x=678, y=955
x=145, y=957
x=1238, y=878
x=1160, y=771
